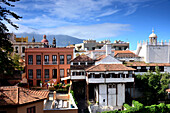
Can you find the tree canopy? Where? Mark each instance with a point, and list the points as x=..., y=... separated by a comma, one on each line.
x=6, y=62
x=153, y=86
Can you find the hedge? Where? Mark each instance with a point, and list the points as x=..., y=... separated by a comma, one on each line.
x=140, y=108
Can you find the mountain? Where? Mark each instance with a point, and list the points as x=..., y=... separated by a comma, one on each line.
x=61, y=40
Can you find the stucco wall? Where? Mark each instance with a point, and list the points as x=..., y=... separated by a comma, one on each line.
x=158, y=53
x=121, y=94
x=38, y=107
x=143, y=51
x=103, y=94
x=111, y=96
x=167, y=69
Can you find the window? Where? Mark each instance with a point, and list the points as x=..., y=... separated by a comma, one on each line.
x=54, y=73
x=38, y=73
x=111, y=75
x=54, y=59
x=112, y=86
x=16, y=49
x=68, y=59
x=101, y=75
x=46, y=73
x=30, y=82
x=61, y=73
x=82, y=63
x=75, y=63
x=38, y=59
x=30, y=59
x=38, y=82
x=130, y=74
x=31, y=109
x=30, y=74
x=68, y=72
x=61, y=59
x=121, y=75
x=46, y=59
x=74, y=73
x=23, y=49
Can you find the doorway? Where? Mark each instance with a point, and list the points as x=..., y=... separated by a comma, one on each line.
x=54, y=73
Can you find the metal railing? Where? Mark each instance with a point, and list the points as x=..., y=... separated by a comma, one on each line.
x=50, y=63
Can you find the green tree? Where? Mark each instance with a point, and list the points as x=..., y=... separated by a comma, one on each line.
x=153, y=86
x=6, y=63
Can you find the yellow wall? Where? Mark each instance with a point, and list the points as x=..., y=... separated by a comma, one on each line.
x=22, y=39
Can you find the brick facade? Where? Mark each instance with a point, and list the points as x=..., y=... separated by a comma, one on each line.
x=49, y=64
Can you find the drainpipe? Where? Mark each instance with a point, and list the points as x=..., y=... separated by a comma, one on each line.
x=42, y=68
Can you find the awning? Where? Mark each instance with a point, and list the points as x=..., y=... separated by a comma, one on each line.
x=65, y=78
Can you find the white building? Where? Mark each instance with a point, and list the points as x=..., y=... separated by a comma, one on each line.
x=105, y=79
x=154, y=51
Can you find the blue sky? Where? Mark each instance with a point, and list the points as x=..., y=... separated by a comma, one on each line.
x=127, y=20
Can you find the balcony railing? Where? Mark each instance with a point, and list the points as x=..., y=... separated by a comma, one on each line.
x=110, y=79
x=50, y=63
x=78, y=77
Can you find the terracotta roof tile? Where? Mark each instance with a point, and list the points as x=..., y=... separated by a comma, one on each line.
x=100, y=57
x=82, y=58
x=109, y=67
x=146, y=64
x=125, y=54
x=9, y=95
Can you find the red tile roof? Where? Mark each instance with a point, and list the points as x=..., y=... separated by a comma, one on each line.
x=109, y=67
x=9, y=95
x=82, y=58
x=146, y=64
x=125, y=54
x=100, y=57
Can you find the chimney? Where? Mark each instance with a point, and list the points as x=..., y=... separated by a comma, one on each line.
x=108, y=49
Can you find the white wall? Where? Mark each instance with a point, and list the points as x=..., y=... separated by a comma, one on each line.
x=121, y=94
x=167, y=69
x=158, y=54
x=143, y=51
x=111, y=96
x=103, y=94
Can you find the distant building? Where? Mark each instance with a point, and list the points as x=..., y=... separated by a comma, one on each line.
x=154, y=51
x=92, y=45
x=44, y=64
x=15, y=99
x=19, y=44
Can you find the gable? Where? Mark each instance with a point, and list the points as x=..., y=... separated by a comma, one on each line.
x=108, y=60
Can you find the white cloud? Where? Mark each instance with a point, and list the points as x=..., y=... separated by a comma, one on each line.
x=44, y=21
x=131, y=9
x=110, y=12
x=85, y=32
